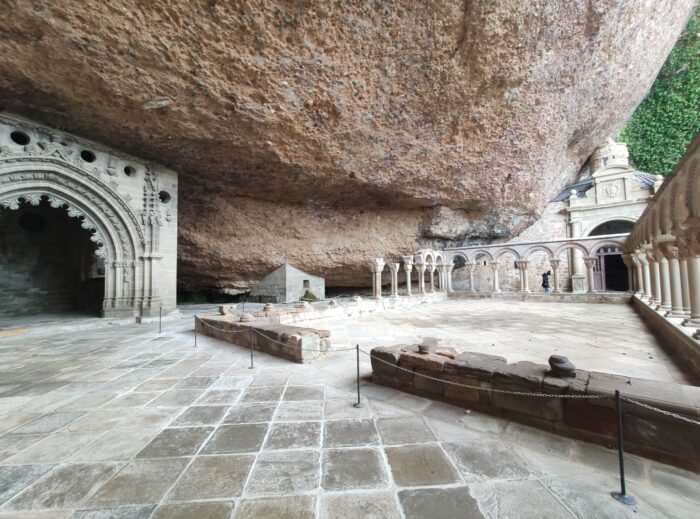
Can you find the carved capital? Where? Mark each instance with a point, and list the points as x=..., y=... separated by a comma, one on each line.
x=554, y=263
x=376, y=264
x=590, y=261
x=407, y=261
x=521, y=264
x=394, y=267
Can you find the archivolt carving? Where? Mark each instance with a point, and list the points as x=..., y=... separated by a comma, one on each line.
x=13, y=202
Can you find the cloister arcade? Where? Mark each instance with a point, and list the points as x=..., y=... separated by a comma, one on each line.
x=434, y=269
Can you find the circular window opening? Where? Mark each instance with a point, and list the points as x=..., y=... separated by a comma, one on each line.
x=129, y=170
x=20, y=138
x=87, y=156
x=164, y=197
x=32, y=222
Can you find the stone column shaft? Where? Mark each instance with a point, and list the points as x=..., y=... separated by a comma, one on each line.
x=674, y=268
x=494, y=268
x=685, y=286
x=694, y=283
x=421, y=278
x=590, y=264
x=665, y=285
x=554, y=263
x=394, y=268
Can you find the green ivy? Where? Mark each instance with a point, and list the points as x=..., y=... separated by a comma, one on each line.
x=664, y=124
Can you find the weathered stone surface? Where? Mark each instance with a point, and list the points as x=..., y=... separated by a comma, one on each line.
x=474, y=364
x=418, y=465
x=289, y=140
x=439, y=503
x=363, y=505
x=461, y=393
x=527, y=375
x=347, y=469
x=429, y=361
x=428, y=385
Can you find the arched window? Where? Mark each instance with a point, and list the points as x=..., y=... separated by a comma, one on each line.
x=612, y=227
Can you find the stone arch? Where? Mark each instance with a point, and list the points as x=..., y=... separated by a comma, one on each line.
x=453, y=256
x=537, y=248
x=481, y=252
x=692, y=194
x=507, y=250
x=113, y=224
x=595, y=224
x=607, y=243
x=567, y=246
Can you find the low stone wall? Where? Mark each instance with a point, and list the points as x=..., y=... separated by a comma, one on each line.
x=646, y=432
x=540, y=297
x=676, y=338
x=293, y=343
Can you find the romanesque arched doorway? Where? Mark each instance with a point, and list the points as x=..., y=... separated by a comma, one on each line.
x=48, y=262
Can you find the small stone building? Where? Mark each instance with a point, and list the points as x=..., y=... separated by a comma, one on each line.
x=288, y=284
x=83, y=228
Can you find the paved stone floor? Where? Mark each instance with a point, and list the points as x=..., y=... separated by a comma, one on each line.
x=598, y=337
x=121, y=422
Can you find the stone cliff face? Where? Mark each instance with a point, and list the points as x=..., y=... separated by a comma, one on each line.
x=325, y=133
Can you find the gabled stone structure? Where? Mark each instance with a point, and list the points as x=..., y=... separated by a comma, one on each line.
x=125, y=206
x=288, y=284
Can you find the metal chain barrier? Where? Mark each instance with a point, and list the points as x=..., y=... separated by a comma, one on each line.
x=220, y=329
x=298, y=347
x=661, y=411
x=488, y=389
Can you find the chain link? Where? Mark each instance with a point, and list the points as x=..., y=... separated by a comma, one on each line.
x=220, y=329
x=660, y=411
x=488, y=389
x=299, y=347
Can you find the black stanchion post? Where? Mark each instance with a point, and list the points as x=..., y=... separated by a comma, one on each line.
x=622, y=496
x=195, y=330
x=358, y=404
x=251, y=348
x=160, y=319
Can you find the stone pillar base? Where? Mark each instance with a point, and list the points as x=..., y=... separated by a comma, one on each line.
x=578, y=283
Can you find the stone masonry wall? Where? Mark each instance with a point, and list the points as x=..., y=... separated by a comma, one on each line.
x=646, y=433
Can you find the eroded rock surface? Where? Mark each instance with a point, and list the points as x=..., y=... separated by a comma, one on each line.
x=324, y=133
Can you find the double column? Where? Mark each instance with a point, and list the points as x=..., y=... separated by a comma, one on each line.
x=420, y=268
x=554, y=263
x=377, y=266
x=431, y=270
x=408, y=267
x=394, y=269
x=522, y=267
x=590, y=262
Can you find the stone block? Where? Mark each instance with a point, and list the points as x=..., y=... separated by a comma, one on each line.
x=606, y=383
x=391, y=381
x=461, y=393
x=446, y=351
x=430, y=361
x=526, y=375
x=425, y=384
x=580, y=414
x=547, y=408
x=553, y=384
x=474, y=364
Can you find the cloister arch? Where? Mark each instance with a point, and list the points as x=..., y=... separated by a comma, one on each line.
x=537, y=248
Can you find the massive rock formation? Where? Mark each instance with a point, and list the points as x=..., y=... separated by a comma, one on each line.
x=324, y=133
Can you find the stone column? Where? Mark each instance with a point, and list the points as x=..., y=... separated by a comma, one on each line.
x=645, y=292
x=408, y=267
x=522, y=266
x=377, y=266
x=590, y=264
x=665, y=281
x=694, y=282
x=638, y=275
x=420, y=268
x=431, y=270
x=577, y=276
x=494, y=268
x=655, y=279
x=470, y=271
x=441, y=278
x=448, y=275
x=685, y=285
x=554, y=263
x=627, y=260
x=394, y=269
x=671, y=253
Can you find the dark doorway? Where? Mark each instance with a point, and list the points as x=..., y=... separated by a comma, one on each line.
x=610, y=272
x=47, y=263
